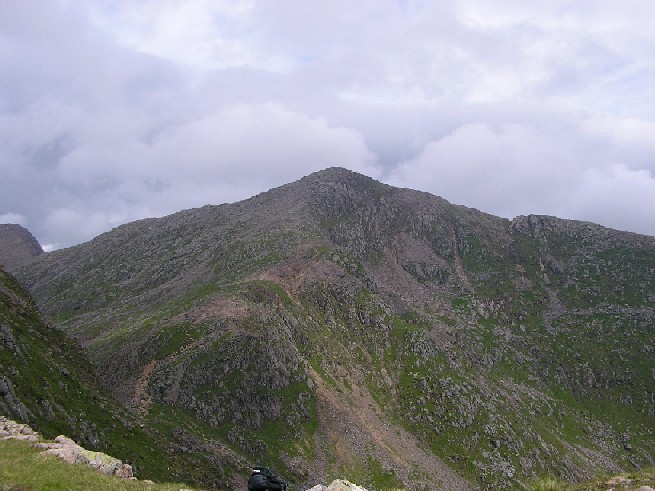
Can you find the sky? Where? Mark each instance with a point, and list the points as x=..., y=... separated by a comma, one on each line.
x=115, y=110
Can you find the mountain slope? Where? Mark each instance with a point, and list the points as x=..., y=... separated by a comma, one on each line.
x=338, y=327
x=47, y=381
x=17, y=246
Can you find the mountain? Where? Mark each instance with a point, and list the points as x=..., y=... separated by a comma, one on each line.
x=339, y=327
x=17, y=246
x=47, y=381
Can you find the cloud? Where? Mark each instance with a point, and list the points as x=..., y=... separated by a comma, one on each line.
x=259, y=145
x=253, y=146
x=196, y=33
x=631, y=139
x=617, y=197
x=113, y=174
x=11, y=217
x=560, y=171
x=502, y=170
x=113, y=110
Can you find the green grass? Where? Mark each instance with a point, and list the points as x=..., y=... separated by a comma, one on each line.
x=548, y=484
x=267, y=292
x=626, y=480
x=24, y=468
x=461, y=303
x=381, y=478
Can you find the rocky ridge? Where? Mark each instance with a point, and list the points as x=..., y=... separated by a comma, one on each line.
x=17, y=246
x=339, y=326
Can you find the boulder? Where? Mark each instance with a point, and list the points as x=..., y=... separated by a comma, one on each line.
x=67, y=450
x=338, y=485
x=343, y=485
x=125, y=472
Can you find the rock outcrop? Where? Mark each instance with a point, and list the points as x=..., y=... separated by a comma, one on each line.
x=11, y=430
x=66, y=449
x=338, y=485
x=17, y=246
x=70, y=452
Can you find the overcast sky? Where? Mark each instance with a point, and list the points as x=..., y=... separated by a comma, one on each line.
x=115, y=110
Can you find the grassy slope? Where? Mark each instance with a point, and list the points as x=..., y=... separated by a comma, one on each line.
x=24, y=468
x=55, y=384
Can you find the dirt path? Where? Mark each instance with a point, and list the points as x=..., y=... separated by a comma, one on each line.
x=141, y=399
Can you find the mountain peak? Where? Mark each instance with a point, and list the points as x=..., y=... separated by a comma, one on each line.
x=337, y=175
x=17, y=246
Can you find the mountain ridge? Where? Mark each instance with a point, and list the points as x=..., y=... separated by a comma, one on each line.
x=294, y=325
x=17, y=246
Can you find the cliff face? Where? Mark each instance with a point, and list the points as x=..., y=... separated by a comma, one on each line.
x=17, y=246
x=337, y=326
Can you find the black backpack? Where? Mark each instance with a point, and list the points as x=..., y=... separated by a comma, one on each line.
x=263, y=479
x=257, y=482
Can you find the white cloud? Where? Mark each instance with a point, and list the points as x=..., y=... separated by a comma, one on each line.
x=632, y=139
x=11, y=217
x=254, y=146
x=205, y=34
x=617, y=197
x=86, y=223
x=242, y=136
x=515, y=168
x=503, y=170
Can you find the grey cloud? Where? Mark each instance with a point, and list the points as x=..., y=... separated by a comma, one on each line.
x=11, y=217
x=113, y=110
x=557, y=171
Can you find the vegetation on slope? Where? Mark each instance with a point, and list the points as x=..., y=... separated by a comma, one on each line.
x=337, y=324
x=46, y=381
x=635, y=480
x=25, y=468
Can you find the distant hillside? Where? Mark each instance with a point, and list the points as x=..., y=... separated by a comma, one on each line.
x=17, y=246
x=339, y=327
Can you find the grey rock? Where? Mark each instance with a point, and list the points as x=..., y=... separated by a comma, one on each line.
x=4, y=387
x=17, y=246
